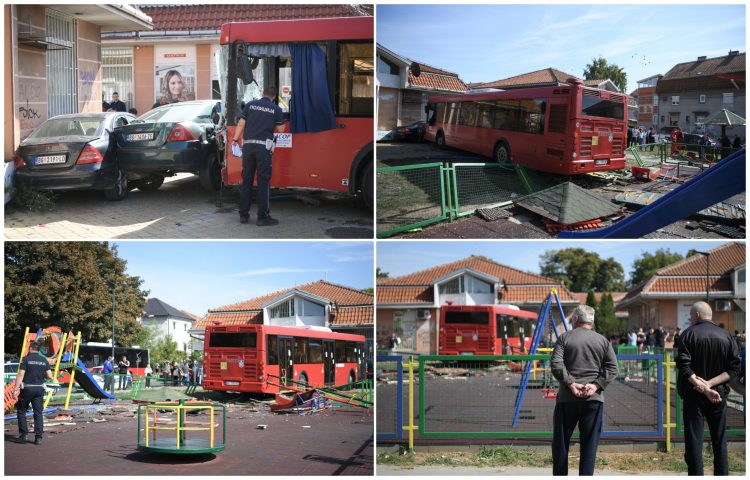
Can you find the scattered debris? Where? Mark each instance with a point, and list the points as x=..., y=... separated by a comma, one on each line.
x=262, y=427
x=492, y=214
x=568, y=206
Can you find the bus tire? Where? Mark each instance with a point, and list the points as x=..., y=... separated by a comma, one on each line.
x=501, y=154
x=302, y=379
x=368, y=188
x=440, y=140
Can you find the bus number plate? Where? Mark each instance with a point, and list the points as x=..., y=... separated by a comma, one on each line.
x=601, y=162
x=232, y=384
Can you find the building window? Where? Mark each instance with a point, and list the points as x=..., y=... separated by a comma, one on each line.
x=479, y=286
x=310, y=309
x=701, y=99
x=654, y=119
x=117, y=74
x=61, y=65
x=727, y=98
x=387, y=67
x=283, y=310
x=452, y=287
x=675, y=99
x=655, y=100
x=674, y=119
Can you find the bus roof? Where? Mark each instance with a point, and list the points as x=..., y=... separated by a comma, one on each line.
x=305, y=30
x=286, y=331
x=497, y=309
x=520, y=93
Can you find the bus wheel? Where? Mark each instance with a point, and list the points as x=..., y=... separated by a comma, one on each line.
x=502, y=153
x=367, y=186
x=440, y=140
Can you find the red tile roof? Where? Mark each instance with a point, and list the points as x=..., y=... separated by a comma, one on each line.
x=212, y=16
x=547, y=76
x=352, y=306
x=520, y=287
x=437, y=79
x=581, y=296
x=707, y=67
x=689, y=285
x=723, y=260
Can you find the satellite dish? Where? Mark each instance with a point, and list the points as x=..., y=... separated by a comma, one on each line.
x=416, y=70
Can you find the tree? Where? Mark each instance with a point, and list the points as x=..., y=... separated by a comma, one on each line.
x=581, y=270
x=369, y=291
x=647, y=264
x=605, y=320
x=165, y=350
x=599, y=69
x=591, y=299
x=381, y=274
x=64, y=284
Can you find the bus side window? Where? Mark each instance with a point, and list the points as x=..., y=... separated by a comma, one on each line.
x=356, y=79
x=272, y=350
x=316, y=351
x=301, y=353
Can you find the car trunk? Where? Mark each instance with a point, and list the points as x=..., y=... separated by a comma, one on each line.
x=51, y=153
x=143, y=135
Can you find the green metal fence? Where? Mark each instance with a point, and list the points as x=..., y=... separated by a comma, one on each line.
x=414, y=196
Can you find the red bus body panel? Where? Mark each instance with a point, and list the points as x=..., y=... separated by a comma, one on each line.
x=248, y=368
x=320, y=160
x=475, y=338
x=592, y=139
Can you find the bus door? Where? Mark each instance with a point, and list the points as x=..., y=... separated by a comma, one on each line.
x=501, y=325
x=329, y=362
x=286, y=359
x=556, y=131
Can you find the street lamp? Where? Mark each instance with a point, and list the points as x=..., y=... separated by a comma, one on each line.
x=708, y=272
x=112, y=285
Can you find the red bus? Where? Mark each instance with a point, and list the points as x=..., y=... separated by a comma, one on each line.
x=337, y=156
x=568, y=129
x=257, y=358
x=484, y=329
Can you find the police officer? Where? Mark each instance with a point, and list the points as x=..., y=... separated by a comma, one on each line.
x=34, y=369
x=259, y=119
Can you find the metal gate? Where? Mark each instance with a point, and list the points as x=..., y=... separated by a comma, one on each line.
x=61, y=65
x=117, y=74
x=390, y=421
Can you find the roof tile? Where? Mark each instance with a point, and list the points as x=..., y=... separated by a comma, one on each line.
x=567, y=203
x=707, y=67
x=722, y=260
x=547, y=76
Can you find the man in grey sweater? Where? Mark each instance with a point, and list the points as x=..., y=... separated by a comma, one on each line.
x=584, y=363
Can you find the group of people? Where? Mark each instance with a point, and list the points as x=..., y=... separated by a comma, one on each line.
x=117, y=105
x=122, y=369
x=584, y=362
x=180, y=373
x=646, y=340
x=639, y=136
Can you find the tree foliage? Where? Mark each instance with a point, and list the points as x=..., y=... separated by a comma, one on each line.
x=581, y=270
x=64, y=284
x=647, y=264
x=591, y=299
x=165, y=350
x=380, y=273
x=605, y=321
x=599, y=69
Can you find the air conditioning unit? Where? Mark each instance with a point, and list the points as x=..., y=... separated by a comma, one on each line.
x=723, y=305
x=423, y=314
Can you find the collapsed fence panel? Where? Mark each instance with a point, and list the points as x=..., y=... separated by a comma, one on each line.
x=390, y=380
x=484, y=185
x=409, y=197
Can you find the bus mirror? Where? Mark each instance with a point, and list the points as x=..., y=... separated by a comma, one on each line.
x=246, y=70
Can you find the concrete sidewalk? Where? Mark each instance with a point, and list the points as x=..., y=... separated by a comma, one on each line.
x=181, y=209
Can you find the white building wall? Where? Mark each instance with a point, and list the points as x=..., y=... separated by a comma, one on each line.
x=174, y=328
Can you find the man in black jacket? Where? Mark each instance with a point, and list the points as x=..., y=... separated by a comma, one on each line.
x=707, y=358
x=584, y=363
x=29, y=389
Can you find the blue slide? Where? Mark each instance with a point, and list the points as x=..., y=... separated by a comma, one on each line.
x=84, y=378
x=725, y=179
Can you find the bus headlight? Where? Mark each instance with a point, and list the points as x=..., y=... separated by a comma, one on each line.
x=260, y=378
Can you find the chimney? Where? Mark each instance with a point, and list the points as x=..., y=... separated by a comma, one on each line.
x=700, y=59
x=732, y=53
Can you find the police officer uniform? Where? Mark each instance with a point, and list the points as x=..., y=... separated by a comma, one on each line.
x=261, y=117
x=35, y=369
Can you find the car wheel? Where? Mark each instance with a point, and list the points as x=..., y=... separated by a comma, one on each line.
x=149, y=184
x=119, y=189
x=367, y=185
x=440, y=140
x=502, y=153
x=210, y=175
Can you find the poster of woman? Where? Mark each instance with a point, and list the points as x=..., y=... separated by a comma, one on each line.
x=174, y=83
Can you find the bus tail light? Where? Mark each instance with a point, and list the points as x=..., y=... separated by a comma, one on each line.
x=180, y=133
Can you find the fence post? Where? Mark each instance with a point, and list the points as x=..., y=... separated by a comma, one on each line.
x=410, y=427
x=668, y=363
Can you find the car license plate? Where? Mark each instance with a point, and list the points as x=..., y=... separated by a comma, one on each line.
x=139, y=137
x=50, y=159
x=232, y=384
x=601, y=162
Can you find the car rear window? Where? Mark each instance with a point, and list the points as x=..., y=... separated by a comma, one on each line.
x=63, y=127
x=175, y=113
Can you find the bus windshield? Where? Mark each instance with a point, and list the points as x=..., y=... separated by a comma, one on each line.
x=597, y=107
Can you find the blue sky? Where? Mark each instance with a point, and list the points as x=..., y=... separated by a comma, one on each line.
x=196, y=276
x=399, y=258
x=490, y=42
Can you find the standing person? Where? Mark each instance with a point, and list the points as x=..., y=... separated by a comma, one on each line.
x=632, y=339
x=660, y=337
x=702, y=144
x=651, y=139
x=676, y=338
x=148, y=372
x=259, y=119
x=32, y=372
x=116, y=104
x=630, y=137
x=122, y=367
x=640, y=340
x=199, y=374
x=651, y=340
x=707, y=359
x=108, y=370
x=584, y=363
x=737, y=143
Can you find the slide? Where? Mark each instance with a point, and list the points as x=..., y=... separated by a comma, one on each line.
x=86, y=381
x=725, y=179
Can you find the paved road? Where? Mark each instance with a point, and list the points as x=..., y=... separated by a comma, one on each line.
x=181, y=209
x=292, y=445
x=458, y=472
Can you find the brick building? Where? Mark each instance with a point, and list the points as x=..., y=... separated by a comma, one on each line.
x=665, y=298
x=409, y=305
